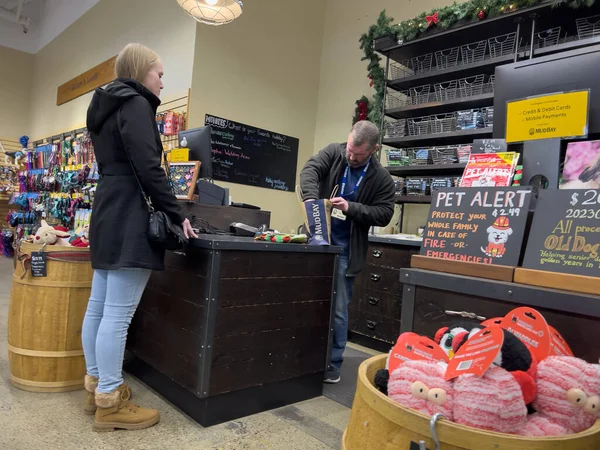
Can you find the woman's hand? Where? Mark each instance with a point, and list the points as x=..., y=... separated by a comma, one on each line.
x=187, y=229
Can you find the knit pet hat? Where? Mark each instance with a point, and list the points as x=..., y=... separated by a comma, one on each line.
x=568, y=390
x=493, y=401
x=420, y=385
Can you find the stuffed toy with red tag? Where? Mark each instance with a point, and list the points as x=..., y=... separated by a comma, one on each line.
x=420, y=385
x=51, y=235
x=83, y=240
x=514, y=356
x=568, y=397
x=492, y=402
x=444, y=337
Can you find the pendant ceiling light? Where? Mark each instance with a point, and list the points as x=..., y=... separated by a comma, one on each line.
x=212, y=12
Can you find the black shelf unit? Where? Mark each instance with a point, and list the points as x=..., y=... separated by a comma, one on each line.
x=426, y=170
x=487, y=67
x=450, y=138
x=426, y=109
x=416, y=199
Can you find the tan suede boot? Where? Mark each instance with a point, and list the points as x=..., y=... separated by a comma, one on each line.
x=114, y=412
x=91, y=383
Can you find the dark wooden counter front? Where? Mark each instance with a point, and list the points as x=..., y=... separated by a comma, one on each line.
x=430, y=298
x=233, y=327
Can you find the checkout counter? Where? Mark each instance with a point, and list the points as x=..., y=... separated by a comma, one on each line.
x=234, y=326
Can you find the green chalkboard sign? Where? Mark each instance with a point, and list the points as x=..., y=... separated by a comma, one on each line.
x=565, y=233
x=482, y=225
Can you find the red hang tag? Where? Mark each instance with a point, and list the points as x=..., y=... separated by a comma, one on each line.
x=531, y=328
x=492, y=321
x=558, y=345
x=411, y=347
x=477, y=354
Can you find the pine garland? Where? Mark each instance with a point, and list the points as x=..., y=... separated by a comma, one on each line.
x=448, y=17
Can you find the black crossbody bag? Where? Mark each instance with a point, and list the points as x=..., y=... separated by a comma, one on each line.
x=161, y=231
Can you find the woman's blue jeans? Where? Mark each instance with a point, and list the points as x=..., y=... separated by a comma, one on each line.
x=113, y=301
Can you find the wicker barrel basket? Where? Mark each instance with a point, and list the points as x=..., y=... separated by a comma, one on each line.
x=45, y=320
x=377, y=422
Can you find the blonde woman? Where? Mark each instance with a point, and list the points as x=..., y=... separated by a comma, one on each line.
x=121, y=121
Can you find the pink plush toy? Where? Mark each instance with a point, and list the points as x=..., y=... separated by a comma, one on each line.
x=493, y=401
x=568, y=397
x=420, y=385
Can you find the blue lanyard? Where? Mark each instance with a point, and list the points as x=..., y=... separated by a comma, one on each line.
x=345, y=179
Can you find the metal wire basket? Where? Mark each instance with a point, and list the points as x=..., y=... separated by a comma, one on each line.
x=446, y=58
x=397, y=99
x=443, y=123
x=420, y=94
x=472, y=85
x=588, y=27
x=447, y=90
x=502, y=45
x=492, y=82
x=396, y=129
x=423, y=63
x=400, y=70
x=419, y=126
x=546, y=38
x=474, y=52
x=444, y=155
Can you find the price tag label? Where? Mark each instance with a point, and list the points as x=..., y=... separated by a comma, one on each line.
x=531, y=328
x=477, y=354
x=38, y=264
x=559, y=346
x=411, y=347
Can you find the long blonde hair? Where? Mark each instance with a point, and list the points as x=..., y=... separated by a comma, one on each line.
x=134, y=61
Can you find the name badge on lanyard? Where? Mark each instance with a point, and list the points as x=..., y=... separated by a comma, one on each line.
x=345, y=180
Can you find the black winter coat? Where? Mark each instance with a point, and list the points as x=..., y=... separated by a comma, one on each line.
x=119, y=224
x=374, y=205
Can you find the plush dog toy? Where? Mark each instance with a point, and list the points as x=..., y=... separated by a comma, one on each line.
x=492, y=402
x=51, y=235
x=83, y=240
x=568, y=397
x=420, y=385
x=514, y=356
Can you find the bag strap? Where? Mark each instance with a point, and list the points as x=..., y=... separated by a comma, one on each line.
x=146, y=199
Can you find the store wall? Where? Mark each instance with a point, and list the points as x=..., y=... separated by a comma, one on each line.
x=343, y=78
x=263, y=70
x=15, y=92
x=97, y=36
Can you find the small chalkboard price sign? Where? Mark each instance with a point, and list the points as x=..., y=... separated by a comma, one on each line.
x=479, y=225
x=565, y=233
x=38, y=264
x=489, y=146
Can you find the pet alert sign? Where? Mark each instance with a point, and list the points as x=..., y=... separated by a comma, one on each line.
x=481, y=225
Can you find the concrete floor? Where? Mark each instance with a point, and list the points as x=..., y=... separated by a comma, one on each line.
x=56, y=421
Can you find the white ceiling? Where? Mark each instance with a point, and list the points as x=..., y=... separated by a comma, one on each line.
x=49, y=18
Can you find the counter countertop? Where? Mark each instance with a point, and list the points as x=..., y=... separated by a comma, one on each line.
x=395, y=241
x=217, y=241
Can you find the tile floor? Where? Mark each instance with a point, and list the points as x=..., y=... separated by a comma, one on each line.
x=56, y=421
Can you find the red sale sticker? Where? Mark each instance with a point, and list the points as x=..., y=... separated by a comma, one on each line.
x=411, y=346
x=477, y=354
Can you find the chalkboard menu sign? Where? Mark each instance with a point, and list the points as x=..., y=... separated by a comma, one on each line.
x=482, y=225
x=248, y=155
x=489, y=146
x=565, y=233
x=38, y=264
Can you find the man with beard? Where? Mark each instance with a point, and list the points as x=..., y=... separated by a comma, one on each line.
x=365, y=198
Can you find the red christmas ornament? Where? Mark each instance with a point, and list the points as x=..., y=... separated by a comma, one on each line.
x=432, y=20
x=371, y=78
x=481, y=14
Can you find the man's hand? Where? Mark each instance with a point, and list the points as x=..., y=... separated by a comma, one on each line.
x=340, y=203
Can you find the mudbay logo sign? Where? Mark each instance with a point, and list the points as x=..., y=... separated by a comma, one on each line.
x=559, y=115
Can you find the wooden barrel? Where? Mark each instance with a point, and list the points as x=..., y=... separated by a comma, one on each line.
x=45, y=320
x=378, y=422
